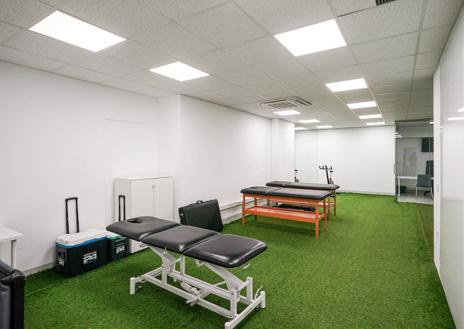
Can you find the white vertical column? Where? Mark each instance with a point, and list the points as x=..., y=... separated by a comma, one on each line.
x=437, y=169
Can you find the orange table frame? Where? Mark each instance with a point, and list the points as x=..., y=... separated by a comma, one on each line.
x=290, y=214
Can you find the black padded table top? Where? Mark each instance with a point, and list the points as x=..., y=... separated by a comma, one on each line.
x=287, y=192
x=307, y=186
x=258, y=190
x=178, y=238
x=227, y=250
x=138, y=228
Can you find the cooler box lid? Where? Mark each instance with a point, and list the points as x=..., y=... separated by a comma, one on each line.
x=81, y=238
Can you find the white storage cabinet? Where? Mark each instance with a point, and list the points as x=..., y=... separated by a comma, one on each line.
x=148, y=195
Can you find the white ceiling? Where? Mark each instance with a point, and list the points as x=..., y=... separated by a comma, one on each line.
x=396, y=47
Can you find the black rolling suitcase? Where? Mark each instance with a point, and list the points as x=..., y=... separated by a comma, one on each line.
x=11, y=297
x=204, y=214
x=80, y=252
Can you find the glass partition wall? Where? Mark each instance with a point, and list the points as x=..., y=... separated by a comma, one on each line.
x=414, y=161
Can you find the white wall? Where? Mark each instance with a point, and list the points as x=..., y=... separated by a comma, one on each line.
x=221, y=151
x=451, y=163
x=363, y=158
x=282, y=152
x=61, y=137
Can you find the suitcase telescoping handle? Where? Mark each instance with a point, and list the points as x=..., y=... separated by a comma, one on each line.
x=66, y=201
x=123, y=198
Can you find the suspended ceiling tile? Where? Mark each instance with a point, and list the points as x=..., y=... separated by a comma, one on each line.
x=399, y=46
x=47, y=47
x=282, y=70
x=281, y=16
x=253, y=52
x=139, y=55
x=428, y=60
x=434, y=38
x=107, y=65
x=26, y=59
x=23, y=13
x=125, y=84
x=173, y=40
x=122, y=17
x=223, y=26
x=7, y=30
x=327, y=60
x=211, y=83
x=216, y=61
x=439, y=13
x=178, y=9
x=377, y=23
x=343, y=7
x=81, y=73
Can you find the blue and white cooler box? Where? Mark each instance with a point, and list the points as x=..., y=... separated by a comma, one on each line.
x=77, y=253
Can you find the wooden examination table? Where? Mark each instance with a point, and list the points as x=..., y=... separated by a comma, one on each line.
x=312, y=186
x=291, y=196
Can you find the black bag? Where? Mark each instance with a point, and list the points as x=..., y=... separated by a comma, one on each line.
x=11, y=297
x=204, y=214
x=83, y=257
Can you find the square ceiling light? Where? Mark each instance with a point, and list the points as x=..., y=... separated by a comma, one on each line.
x=309, y=121
x=324, y=127
x=287, y=112
x=76, y=32
x=380, y=123
x=347, y=85
x=362, y=105
x=370, y=116
x=179, y=71
x=300, y=128
x=313, y=38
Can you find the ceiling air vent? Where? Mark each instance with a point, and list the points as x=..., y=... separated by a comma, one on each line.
x=382, y=2
x=286, y=103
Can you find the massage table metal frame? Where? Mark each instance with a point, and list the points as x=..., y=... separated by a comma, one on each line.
x=286, y=213
x=332, y=202
x=195, y=290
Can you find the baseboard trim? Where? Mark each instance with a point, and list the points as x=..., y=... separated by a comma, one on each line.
x=39, y=269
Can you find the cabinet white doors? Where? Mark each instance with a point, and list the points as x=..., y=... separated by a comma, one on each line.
x=142, y=198
x=162, y=198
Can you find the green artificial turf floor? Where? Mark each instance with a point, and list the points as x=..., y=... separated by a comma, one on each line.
x=372, y=269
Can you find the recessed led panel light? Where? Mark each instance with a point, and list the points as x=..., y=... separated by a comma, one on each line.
x=324, y=127
x=76, y=32
x=347, y=85
x=313, y=38
x=287, y=112
x=370, y=116
x=461, y=109
x=362, y=105
x=455, y=118
x=380, y=123
x=300, y=128
x=179, y=71
x=309, y=121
